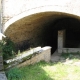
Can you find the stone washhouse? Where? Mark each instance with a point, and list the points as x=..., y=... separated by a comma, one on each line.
x=33, y=23
x=54, y=23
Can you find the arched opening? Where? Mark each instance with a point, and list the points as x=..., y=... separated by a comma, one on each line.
x=41, y=29
x=72, y=32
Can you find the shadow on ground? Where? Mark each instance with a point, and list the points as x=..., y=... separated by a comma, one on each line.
x=31, y=72
x=66, y=58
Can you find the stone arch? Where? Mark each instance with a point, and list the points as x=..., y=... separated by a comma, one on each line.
x=32, y=25
x=47, y=8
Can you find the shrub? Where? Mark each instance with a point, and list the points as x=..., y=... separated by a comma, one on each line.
x=8, y=48
x=15, y=74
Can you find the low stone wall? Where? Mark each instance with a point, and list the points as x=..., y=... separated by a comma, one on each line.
x=44, y=55
x=40, y=54
x=69, y=50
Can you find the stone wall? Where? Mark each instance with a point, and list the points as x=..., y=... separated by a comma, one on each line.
x=30, y=57
x=30, y=22
x=43, y=56
x=70, y=50
x=10, y=10
x=61, y=43
x=34, y=30
x=31, y=31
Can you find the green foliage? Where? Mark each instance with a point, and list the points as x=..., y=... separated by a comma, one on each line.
x=15, y=74
x=7, y=48
x=31, y=72
x=45, y=71
x=71, y=55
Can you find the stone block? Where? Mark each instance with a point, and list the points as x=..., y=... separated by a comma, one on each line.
x=27, y=62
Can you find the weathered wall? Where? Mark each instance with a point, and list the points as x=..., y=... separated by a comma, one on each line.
x=34, y=30
x=30, y=23
x=44, y=55
x=39, y=29
x=30, y=57
x=11, y=8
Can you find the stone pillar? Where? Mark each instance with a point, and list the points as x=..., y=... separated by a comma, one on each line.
x=61, y=40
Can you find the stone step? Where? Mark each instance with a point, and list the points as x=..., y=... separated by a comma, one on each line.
x=55, y=58
x=2, y=76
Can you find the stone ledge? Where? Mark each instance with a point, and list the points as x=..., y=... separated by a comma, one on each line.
x=30, y=57
x=27, y=53
x=69, y=50
x=44, y=55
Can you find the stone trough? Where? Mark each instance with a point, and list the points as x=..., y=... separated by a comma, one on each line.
x=29, y=57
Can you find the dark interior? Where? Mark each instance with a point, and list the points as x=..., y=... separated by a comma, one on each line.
x=42, y=30
x=72, y=37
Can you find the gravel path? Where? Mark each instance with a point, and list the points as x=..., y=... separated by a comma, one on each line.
x=56, y=57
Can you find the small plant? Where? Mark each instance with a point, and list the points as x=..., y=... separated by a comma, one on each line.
x=7, y=48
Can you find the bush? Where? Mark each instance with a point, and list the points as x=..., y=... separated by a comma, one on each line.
x=15, y=74
x=8, y=48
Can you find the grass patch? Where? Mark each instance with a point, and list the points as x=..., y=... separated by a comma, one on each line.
x=45, y=71
x=71, y=55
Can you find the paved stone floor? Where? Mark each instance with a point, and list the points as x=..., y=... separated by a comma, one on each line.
x=55, y=56
x=3, y=76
